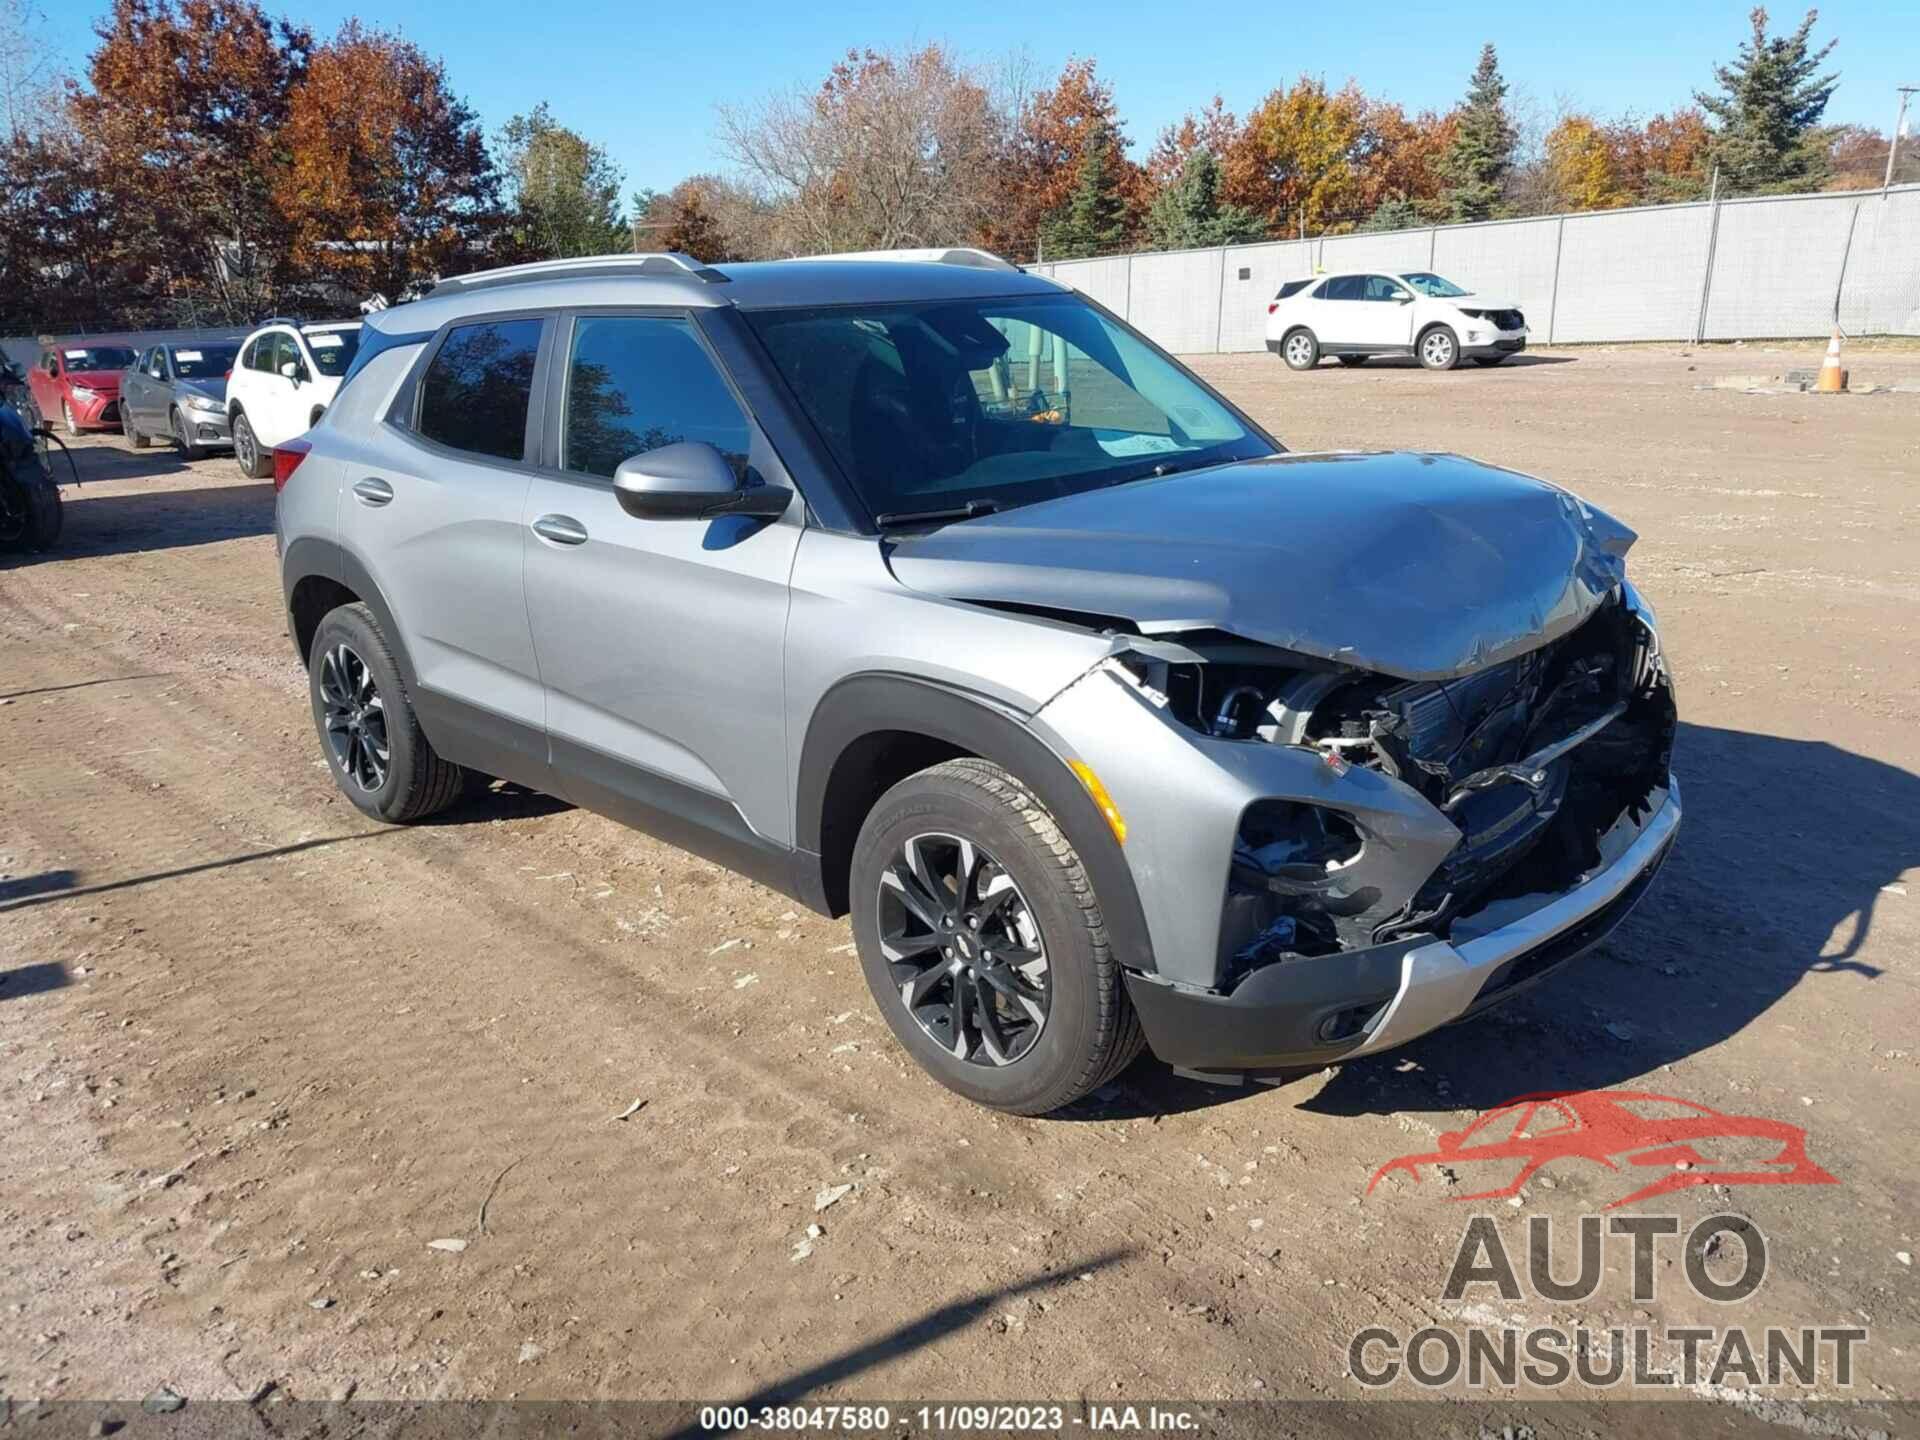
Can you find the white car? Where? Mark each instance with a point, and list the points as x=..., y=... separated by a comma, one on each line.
x=1369, y=312
x=286, y=375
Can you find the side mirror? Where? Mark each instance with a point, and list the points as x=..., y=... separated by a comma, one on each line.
x=1403, y=298
x=291, y=369
x=690, y=480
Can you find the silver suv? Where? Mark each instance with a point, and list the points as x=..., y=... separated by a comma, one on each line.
x=932, y=593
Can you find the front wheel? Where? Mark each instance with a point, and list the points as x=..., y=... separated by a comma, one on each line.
x=30, y=509
x=380, y=758
x=182, y=437
x=983, y=942
x=254, y=464
x=1300, y=350
x=1439, y=350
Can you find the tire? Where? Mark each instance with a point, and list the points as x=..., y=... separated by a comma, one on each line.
x=31, y=514
x=130, y=430
x=359, y=698
x=1300, y=350
x=1438, y=348
x=189, y=451
x=1351, y=360
x=1030, y=895
x=254, y=463
x=66, y=418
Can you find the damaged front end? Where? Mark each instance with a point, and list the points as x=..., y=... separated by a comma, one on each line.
x=1382, y=828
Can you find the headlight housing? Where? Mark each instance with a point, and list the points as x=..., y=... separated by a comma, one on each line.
x=81, y=392
x=202, y=402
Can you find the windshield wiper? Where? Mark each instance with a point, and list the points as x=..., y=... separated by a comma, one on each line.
x=966, y=511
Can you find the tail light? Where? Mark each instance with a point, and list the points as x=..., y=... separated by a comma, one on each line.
x=227, y=376
x=286, y=460
x=1275, y=305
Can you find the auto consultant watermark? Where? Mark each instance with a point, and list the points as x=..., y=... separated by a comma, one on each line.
x=1722, y=1257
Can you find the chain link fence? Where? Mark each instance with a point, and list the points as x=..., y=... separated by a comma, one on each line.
x=1777, y=267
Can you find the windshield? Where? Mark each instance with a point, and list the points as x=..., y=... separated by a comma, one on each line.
x=202, y=362
x=997, y=402
x=1427, y=283
x=333, y=349
x=97, y=357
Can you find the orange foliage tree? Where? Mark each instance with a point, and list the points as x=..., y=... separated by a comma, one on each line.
x=1050, y=138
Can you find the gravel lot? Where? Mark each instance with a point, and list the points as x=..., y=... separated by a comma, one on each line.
x=257, y=1055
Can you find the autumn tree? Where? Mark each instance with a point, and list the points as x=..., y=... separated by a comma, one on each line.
x=389, y=183
x=30, y=97
x=1584, y=167
x=1478, y=161
x=1044, y=158
x=1767, y=108
x=183, y=112
x=1398, y=159
x=1857, y=159
x=1295, y=159
x=563, y=190
x=1213, y=129
x=893, y=149
x=1668, y=157
x=1188, y=212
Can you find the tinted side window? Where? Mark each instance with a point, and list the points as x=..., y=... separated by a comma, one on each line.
x=475, y=392
x=1379, y=287
x=1292, y=287
x=637, y=382
x=1344, y=287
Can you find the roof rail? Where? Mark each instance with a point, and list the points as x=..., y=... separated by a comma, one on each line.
x=664, y=262
x=936, y=255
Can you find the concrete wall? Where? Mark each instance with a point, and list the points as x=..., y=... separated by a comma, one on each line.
x=1739, y=269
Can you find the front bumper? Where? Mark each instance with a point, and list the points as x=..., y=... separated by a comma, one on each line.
x=1275, y=1017
x=209, y=427
x=1501, y=342
x=102, y=412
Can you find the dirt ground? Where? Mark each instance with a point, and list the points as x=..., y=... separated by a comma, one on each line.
x=257, y=1055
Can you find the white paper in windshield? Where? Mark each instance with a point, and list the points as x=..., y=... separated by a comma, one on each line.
x=1124, y=443
x=76, y=354
x=188, y=355
x=324, y=342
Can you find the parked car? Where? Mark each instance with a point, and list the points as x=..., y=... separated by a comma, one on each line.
x=1360, y=313
x=30, y=508
x=933, y=594
x=79, y=385
x=179, y=391
x=285, y=377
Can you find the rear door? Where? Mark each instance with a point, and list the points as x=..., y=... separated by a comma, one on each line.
x=435, y=512
x=660, y=641
x=144, y=392
x=1336, y=303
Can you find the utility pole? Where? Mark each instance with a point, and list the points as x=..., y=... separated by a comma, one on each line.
x=1893, y=145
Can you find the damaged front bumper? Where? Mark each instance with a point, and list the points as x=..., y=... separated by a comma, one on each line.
x=1417, y=904
x=1276, y=1017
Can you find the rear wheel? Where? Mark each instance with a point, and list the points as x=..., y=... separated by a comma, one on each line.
x=1439, y=349
x=379, y=756
x=253, y=463
x=1300, y=350
x=983, y=942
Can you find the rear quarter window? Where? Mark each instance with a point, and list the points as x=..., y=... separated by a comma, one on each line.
x=1292, y=287
x=477, y=389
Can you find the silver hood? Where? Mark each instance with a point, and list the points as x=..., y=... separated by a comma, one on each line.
x=1419, y=566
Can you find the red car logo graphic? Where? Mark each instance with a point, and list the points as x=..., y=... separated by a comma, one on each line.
x=1690, y=1143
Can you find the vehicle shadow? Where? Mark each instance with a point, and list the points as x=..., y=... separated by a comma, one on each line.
x=1787, y=851
x=24, y=980
x=124, y=524
x=1407, y=362
x=498, y=800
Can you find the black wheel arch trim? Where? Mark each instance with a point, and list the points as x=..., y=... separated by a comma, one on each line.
x=310, y=558
x=874, y=703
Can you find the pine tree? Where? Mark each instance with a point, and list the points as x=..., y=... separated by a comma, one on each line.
x=1476, y=165
x=1188, y=214
x=1395, y=214
x=1093, y=221
x=1766, y=117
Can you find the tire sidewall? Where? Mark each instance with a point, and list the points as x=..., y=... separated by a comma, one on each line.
x=931, y=803
x=1287, y=348
x=1453, y=357
x=250, y=467
x=357, y=630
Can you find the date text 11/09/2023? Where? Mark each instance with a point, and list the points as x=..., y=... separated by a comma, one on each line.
x=1045, y=1418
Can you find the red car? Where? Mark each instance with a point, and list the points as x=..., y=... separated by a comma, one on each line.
x=1689, y=1144
x=79, y=384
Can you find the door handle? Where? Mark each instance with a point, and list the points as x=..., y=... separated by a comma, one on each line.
x=560, y=529
x=373, y=492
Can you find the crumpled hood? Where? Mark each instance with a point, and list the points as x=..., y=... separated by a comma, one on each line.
x=1421, y=566
x=103, y=381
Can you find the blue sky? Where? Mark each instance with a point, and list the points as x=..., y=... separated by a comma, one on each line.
x=643, y=79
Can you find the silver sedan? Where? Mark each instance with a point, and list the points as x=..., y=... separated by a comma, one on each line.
x=179, y=392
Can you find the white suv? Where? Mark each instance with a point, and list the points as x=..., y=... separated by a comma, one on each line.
x=1365, y=312
x=286, y=375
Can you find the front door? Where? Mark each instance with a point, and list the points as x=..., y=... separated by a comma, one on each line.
x=1384, y=313
x=660, y=641
x=437, y=522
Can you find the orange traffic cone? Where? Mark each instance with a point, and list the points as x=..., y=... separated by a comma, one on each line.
x=1832, y=379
